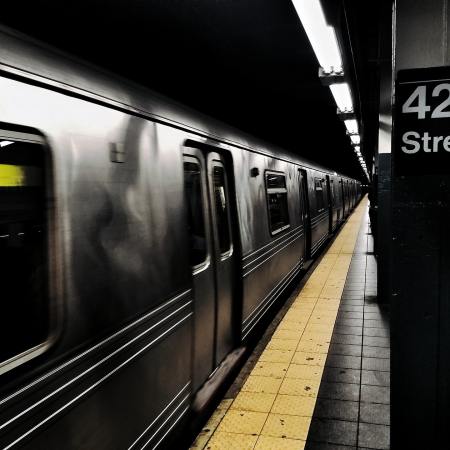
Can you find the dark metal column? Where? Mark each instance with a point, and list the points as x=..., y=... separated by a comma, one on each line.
x=420, y=257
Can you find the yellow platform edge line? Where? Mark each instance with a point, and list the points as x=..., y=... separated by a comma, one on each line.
x=275, y=406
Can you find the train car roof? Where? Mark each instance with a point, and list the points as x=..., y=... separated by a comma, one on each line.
x=24, y=57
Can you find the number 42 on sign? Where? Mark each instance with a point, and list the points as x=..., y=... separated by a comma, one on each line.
x=416, y=103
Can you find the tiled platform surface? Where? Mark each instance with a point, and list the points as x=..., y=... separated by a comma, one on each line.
x=352, y=410
x=320, y=376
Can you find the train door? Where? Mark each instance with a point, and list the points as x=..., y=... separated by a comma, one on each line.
x=212, y=259
x=341, y=182
x=337, y=200
x=330, y=203
x=349, y=189
x=306, y=218
x=223, y=252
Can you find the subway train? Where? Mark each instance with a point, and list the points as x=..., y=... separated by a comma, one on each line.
x=142, y=245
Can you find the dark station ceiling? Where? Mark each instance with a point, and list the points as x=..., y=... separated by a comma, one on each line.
x=245, y=62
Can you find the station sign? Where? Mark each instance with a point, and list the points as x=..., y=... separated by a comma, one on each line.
x=422, y=122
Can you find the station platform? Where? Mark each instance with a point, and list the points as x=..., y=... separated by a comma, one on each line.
x=320, y=376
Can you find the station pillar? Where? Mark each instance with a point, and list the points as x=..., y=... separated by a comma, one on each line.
x=416, y=175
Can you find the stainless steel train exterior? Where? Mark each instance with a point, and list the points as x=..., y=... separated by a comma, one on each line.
x=142, y=243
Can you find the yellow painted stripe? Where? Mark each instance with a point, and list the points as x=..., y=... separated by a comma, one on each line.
x=274, y=408
x=19, y=176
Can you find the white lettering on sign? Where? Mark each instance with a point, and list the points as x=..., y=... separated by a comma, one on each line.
x=406, y=140
x=419, y=94
x=439, y=111
x=414, y=142
x=417, y=102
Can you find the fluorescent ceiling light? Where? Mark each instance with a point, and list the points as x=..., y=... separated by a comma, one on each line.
x=355, y=139
x=342, y=97
x=5, y=143
x=321, y=36
x=351, y=125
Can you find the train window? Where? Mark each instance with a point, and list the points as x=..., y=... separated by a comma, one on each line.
x=221, y=204
x=277, y=202
x=320, y=194
x=194, y=204
x=276, y=181
x=25, y=308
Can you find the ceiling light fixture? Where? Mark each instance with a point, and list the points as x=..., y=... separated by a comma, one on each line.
x=351, y=125
x=342, y=97
x=5, y=143
x=325, y=44
x=356, y=139
x=321, y=35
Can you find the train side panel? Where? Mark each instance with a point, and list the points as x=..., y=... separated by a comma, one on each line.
x=272, y=252
x=124, y=342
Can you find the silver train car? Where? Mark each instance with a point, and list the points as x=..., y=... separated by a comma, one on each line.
x=142, y=244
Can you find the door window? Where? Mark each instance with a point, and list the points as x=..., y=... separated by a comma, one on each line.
x=194, y=204
x=221, y=206
x=320, y=194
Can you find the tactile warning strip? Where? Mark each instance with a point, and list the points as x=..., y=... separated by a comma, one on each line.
x=274, y=408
